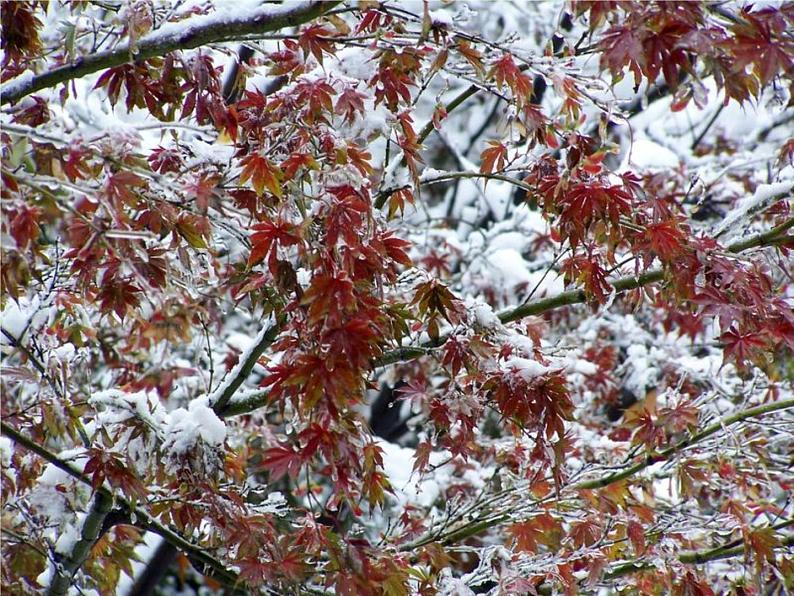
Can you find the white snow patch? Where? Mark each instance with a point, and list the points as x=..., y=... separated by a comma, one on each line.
x=15, y=318
x=483, y=314
x=187, y=427
x=398, y=463
x=645, y=153
x=528, y=369
x=6, y=451
x=70, y=535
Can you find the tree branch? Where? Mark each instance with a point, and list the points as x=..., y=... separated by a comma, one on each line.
x=171, y=37
x=489, y=520
x=731, y=549
x=67, y=567
x=219, y=398
x=257, y=399
x=570, y=297
x=683, y=444
x=141, y=517
x=383, y=196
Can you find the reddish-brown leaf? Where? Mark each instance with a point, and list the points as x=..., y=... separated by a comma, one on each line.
x=262, y=173
x=281, y=461
x=493, y=158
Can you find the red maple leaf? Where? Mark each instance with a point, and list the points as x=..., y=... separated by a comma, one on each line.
x=267, y=236
x=282, y=460
x=262, y=173
x=349, y=104
x=314, y=40
x=742, y=346
x=493, y=158
x=665, y=239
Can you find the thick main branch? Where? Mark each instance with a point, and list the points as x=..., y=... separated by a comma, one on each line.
x=67, y=566
x=193, y=33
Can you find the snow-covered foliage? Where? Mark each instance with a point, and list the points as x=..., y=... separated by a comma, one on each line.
x=397, y=297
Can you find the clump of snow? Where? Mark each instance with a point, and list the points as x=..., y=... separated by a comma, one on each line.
x=6, y=451
x=57, y=495
x=449, y=585
x=482, y=314
x=354, y=63
x=510, y=268
x=642, y=372
x=275, y=503
x=442, y=18
x=16, y=318
x=117, y=406
x=545, y=284
x=187, y=427
x=528, y=369
x=70, y=535
x=575, y=364
x=431, y=174
x=510, y=240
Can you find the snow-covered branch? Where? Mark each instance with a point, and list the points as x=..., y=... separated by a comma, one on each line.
x=141, y=518
x=90, y=531
x=224, y=25
x=219, y=399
